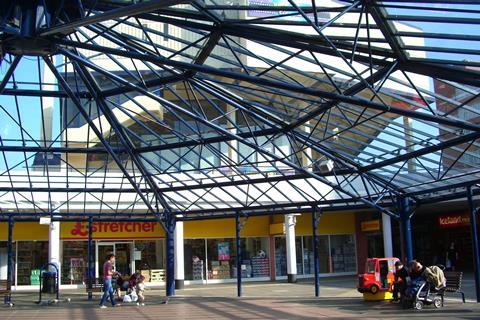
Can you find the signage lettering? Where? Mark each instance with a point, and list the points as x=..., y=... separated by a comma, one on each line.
x=453, y=221
x=81, y=228
x=370, y=225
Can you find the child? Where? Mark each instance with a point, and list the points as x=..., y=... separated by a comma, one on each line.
x=140, y=289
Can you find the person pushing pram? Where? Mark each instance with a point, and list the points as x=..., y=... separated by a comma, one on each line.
x=425, y=283
x=131, y=287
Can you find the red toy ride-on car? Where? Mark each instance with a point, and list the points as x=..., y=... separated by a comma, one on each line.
x=377, y=281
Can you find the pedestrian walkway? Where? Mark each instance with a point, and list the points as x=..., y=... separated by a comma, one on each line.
x=268, y=300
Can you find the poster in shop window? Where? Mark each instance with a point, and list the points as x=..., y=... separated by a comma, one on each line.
x=223, y=251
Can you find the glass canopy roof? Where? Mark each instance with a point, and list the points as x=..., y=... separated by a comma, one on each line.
x=210, y=108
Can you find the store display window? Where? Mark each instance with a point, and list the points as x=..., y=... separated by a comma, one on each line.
x=74, y=262
x=32, y=255
x=221, y=256
x=255, y=258
x=4, y=259
x=149, y=254
x=323, y=254
x=194, y=259
x=280, y=256
x=343, y=253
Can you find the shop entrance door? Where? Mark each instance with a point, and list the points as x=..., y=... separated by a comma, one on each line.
x=123, y=256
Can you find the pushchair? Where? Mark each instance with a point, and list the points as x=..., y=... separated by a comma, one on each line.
x=421, y=292
x=129, y=286
x=425, y=294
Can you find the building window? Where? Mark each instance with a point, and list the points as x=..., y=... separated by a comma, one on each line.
x=32, y=255
x=194, y=255
x=74, y=262
x=343, y=253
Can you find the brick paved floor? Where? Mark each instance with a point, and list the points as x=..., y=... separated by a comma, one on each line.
x=339, y=300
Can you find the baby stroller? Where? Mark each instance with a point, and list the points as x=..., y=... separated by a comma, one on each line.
x=426, y=294
x=130, y=284
x=420, y=292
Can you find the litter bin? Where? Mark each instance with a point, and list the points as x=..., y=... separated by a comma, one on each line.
x=49, y=282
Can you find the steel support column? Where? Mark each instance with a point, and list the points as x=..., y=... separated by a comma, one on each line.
x=474, y=230
x=91, y=274
x=170, y=281
x=239, y=255
x=406, y=228
x=316, y=261
x=8, y=298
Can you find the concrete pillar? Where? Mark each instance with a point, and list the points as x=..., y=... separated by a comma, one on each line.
x=48, y=104
x=387, y=235
x=290, y=243
x=179, y=263
x=307, y=154
x=232, y=146
x=54, y=245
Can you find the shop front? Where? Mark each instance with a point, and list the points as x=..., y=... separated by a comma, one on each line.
x=138, y=246
x=209, y=249
x=447, y=238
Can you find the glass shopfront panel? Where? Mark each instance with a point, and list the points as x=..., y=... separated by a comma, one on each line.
x=280, y=256
x=343, y=253
x=336, y=253
x=32, y=255
x=4, y=259
x=74, y=262
x=255, y=258
x=194, y=259
x=323, y=255
x=221, y=254
x=151, y=254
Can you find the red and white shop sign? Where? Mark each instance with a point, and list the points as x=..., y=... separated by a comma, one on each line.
x=111, y=230
x=454, y=221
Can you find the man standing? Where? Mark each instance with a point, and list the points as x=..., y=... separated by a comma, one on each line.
x=107, y=281
x=401, y=280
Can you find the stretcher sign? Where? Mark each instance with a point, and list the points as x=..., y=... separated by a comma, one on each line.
x=454, y=221
x=111, y=230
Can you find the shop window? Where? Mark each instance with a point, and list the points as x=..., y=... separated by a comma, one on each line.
x=323, y=255
x=4, y=259
x=152, y=254
x=74, y=262
x=221, y=258
x=343, y=253
x=298, y=253
x=280, y=256
x=255, y=258
x=194, y=259
x=32, y=255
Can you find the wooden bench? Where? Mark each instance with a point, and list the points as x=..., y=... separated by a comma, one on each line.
x=454, y=283
x=95, y=286
x=5, y=291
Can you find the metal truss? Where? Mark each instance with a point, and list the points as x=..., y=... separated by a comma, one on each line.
x=202, y=109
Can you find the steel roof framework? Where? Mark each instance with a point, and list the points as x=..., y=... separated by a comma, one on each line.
x=333, y=83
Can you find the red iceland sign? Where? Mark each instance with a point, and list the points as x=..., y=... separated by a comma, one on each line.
x=454, y=221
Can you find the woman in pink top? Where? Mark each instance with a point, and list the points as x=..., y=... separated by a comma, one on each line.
x=107, y=281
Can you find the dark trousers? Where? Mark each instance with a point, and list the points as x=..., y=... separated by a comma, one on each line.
x=398, y=287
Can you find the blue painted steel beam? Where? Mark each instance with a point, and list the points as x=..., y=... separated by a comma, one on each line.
x=316, y=262
x=171, y=106
x=475, y=241
x=170, y=280
x=91, y=271
x=406, y=227
x=92, y=125
x=355, y=100
x=239, y=255
x=8, y=298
